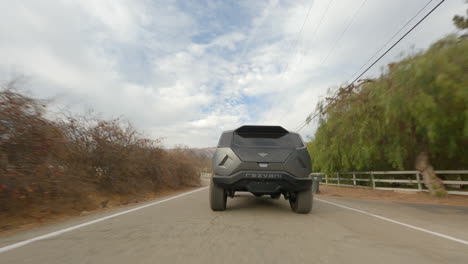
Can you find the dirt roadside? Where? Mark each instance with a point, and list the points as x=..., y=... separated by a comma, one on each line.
x=36, y=217
x=394, y=196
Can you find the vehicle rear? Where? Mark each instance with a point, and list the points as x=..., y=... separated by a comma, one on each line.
x=263, y=160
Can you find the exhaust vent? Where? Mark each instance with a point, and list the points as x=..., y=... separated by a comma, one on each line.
x=223, y=161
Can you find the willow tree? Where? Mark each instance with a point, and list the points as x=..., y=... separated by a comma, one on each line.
x=413, y=116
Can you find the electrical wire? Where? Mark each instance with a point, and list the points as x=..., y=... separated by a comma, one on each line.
x=310, y=117
x=390, y=39
x=313, y=36
x=348, y=24
x=299, y=36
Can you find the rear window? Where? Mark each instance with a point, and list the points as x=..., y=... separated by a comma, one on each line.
x=267, y=140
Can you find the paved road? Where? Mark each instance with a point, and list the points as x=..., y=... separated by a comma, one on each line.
x=253, y=230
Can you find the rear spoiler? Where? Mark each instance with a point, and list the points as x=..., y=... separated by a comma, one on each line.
x=261, y=129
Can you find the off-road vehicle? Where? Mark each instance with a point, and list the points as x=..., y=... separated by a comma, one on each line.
x=263, y=160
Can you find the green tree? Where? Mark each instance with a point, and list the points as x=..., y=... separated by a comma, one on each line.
x=415, y=112
x=460, y=21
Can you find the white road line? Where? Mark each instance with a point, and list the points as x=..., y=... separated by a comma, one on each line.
x=398, y=222
x=59, y=232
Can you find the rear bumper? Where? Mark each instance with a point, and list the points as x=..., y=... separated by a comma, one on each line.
x=263, y=182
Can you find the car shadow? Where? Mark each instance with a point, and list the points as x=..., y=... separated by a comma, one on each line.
x=246, y=201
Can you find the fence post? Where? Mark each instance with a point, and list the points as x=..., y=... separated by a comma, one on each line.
x=354, y=179
x=338, y=177
x=326, y=179
x=418, y=178
x=372, y=180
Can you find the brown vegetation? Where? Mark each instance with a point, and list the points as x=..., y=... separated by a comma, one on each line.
x=47, y=165
x=393, y=196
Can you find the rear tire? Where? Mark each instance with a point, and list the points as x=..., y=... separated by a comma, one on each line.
x=218, y=197
x=301, y=203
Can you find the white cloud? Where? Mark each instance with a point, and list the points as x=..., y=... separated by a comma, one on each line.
x=186, y=71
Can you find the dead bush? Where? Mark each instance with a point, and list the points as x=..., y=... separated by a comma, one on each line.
x=44, y=162
x=31, y=149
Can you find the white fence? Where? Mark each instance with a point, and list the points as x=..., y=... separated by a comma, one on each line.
x=411, y=179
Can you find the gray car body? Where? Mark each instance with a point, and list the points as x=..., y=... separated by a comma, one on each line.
x=262, y=169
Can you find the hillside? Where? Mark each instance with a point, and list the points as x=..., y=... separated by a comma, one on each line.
x=206, y=152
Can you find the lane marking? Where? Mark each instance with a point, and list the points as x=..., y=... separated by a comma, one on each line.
x=398, y=222
x=59, y=232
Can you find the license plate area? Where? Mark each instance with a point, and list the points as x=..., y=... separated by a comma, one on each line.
x=263, y=187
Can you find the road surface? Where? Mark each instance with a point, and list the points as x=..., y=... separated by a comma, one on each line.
x=253, y=230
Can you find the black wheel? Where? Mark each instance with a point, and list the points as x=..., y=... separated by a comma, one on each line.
x=275, y=196
x=301, y=202
x=218, y=198
x=258, y=194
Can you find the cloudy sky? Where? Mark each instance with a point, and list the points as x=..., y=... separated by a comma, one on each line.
x=186, y=70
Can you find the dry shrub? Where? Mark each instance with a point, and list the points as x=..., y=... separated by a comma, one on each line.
x=45, y=162
x=31, y=147
x=185, y=164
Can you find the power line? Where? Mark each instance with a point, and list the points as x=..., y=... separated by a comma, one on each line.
x=348, y=24
x=353, y=17
x=265, y=15
x=335, y=43
x=390, y=39
x=310, y=117
x=299, y=35
x=398, y=41
x=313, y=36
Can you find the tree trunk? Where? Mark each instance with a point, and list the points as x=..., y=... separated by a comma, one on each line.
x=432, y=182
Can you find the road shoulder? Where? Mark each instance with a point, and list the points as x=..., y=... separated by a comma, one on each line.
x=12, y=225
x=393, y=196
